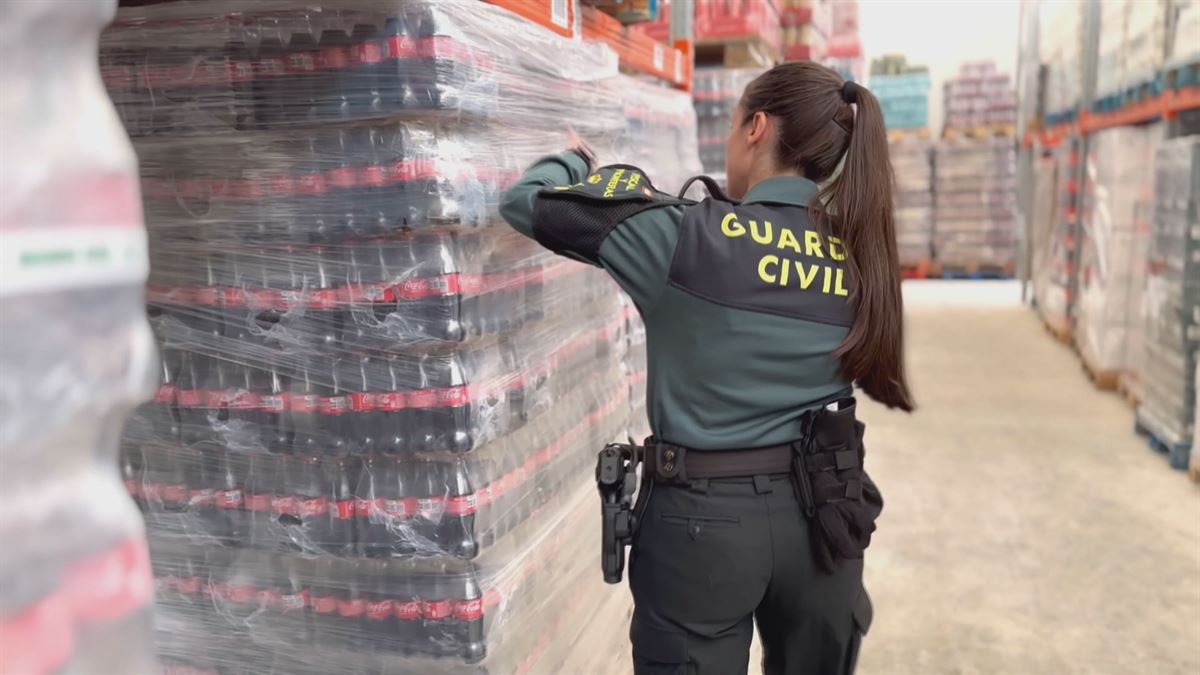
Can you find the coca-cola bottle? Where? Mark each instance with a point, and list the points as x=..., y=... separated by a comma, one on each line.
x=342, y=478
x=352, y=603
x=396, y=70
x=264, y=484
x=366, y=60
x=437, y=616
x=299, y=86
x=339, y=153
x=410, y=628
x=304, y=403
x=406, y=402
x=133, y=473
x=335, y=407
x=241, y=75
x=323, y=601
x=246, y=418
x=332, y=83
x=371, y=525
x=163, y=412
x=451, y=417
x=295, y=602
x=456, y=532
x=312, y=201
x=428, y=73
x=468, y=616
x=277, y=430
x=270, y=81
x=430, y=490
x=375, y=194
x=379, y=617
x=358, y=379
x=195, y=372
x=230, y=522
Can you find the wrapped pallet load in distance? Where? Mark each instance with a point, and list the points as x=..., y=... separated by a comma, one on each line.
x=371, y=446
x=75, y=357
x=975, y=202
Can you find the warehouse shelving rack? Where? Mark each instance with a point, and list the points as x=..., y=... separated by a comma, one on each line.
x=637, y=52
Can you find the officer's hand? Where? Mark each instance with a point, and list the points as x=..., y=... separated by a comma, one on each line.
x=577, y=145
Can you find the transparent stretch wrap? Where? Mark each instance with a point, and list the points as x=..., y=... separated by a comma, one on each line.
x=1052, y=224
x=975, y=201
x=1116, y=224
x=1173, y=294
x=716, y=92
x=370, y=450
x=76, y=354
x=912, y=159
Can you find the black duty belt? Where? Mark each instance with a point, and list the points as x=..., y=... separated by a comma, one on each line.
x=667, y=463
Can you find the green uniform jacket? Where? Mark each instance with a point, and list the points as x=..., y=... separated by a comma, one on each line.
x=720, y=376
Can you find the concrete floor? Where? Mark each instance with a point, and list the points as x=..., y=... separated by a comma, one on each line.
x=1026, y=529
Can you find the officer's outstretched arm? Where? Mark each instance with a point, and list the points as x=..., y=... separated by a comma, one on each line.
x=612, y=218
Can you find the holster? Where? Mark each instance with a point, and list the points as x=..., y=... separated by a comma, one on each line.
x=838, y=497
x=616, y=480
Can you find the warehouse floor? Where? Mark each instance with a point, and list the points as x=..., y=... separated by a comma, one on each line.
x=1026, y=529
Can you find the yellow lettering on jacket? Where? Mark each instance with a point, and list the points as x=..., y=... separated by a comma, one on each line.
x=828, y=279
x=806, y=279
x=763, y=238
x=788, y=240
x=762, y=268
x=812, y=244
x=833, y=252
x=730, y=226
x=839, y=289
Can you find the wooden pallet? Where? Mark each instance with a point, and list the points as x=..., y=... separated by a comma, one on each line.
x=986, y=131
x=1105, y=380
x=1194, y=473
x=1063, y=335
x=901, y=135
x=923, y=269
x=1125, y=389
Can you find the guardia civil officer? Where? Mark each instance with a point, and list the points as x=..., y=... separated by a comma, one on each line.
x=762, y=309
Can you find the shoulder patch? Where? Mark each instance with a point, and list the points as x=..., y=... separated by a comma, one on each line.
x=574, y=220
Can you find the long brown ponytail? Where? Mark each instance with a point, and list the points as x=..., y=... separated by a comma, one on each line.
x=817, y=127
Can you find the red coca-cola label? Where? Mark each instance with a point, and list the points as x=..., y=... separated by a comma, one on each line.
x=269, y=67
x=416, y=289
x=422, y=399
x=134, y=488
x=362, y=402
x=401, y=47
x=436, y=610
x=352, y=609
x=468, y=610
x=241, y=71
x=190, y=398
x=204, y=497
x=229, y=499
x=310, y=184
x=275, y=403
x=372, y=175
x=247, y=189
x=453, y=397
x=408, y=610
x=483, y=497
x=325, y=604
x=258, y=503
x=367, y=53
x=334, y=405
x=363, y=508
x=471, y=284
x=380, y=610
x=304, y=403
x=302, y=62
x=217, y=398
x=173, y=494
x=461, y=506
x=325, y=299
x=281, y=185
x=166, y=393
x=285, y=506
x=188, y=585
x=341, y=177
x=431, y=508
x=263, y=298
x=270, y=598
x=294, y=602
x=391, y=401
x=333, y=59
x=245, y=400
x=240, y=593
x=443, y=47
x=342, y=510
x=233, y=297
x=311, y=508
x=214, y=590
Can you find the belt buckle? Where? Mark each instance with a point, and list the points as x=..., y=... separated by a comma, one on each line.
x=669, y=461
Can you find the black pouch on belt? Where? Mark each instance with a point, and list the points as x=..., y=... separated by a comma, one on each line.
x=841, y=501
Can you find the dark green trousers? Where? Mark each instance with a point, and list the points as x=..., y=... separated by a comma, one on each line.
x=709, y=560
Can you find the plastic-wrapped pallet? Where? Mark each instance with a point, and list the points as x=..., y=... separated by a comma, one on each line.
x=913, y=162
x=975, y=203
x=76, y=356
x=1062, y=51
x=1110, y=53
x=371, y=444
x=1172, y=299
x=903, y=92
x=1114, y=244
x=716, y=92
x=1145, y=44
x=979, y=96
x=1130, y=376
x=1052, y=232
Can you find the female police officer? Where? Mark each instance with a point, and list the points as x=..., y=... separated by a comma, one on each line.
x=760, y=313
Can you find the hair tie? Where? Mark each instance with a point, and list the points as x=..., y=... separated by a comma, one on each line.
x=850, y=92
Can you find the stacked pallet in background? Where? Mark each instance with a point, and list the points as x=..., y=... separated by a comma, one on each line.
x=807, y=25
x=1051, y=232
x=912, y=160
x=729, y=33
x=1116, y=228
x=903, y=93
x=979, y=101
x=844, y=52
x=716, y=92
x=1172, y=301
x=975, y=206
x=370, y=448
